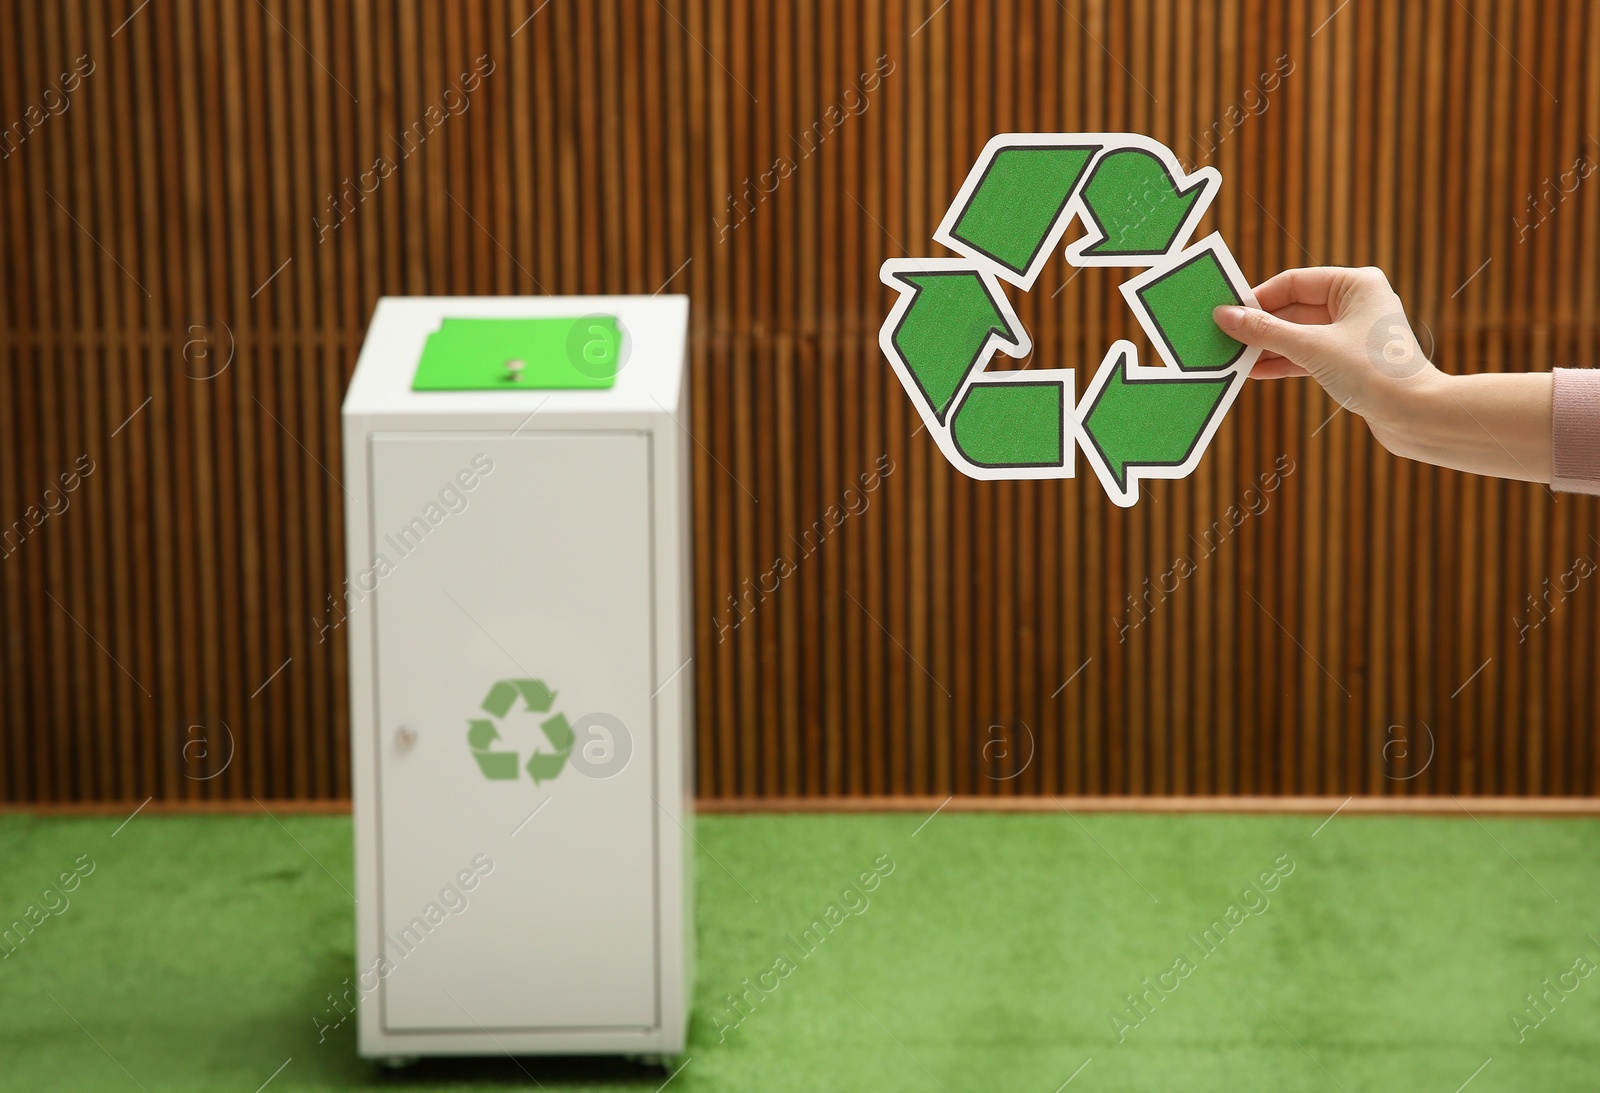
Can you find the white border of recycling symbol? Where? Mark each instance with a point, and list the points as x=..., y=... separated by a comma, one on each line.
x=1134, y=422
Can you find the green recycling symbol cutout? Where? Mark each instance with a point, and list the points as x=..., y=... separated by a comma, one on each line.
x=482, y=733
x=1135, y=421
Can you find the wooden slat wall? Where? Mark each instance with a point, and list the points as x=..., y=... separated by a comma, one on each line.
x=169, y=317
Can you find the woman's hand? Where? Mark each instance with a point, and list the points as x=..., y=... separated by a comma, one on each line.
x=1346, y=329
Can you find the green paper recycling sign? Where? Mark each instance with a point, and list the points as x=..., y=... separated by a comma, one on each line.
x=1138, y=208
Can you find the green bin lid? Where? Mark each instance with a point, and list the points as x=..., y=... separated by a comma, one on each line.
x=551, y=354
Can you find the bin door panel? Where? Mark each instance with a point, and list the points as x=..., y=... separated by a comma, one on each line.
x=512, y=578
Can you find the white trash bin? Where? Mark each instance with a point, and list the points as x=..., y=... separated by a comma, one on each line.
x=517, y=613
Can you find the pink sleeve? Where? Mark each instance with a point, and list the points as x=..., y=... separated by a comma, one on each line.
x=1576, y=420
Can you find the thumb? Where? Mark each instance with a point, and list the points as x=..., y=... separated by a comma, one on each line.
x=1255, y=327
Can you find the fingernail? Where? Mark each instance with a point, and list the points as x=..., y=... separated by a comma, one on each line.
x=1227, y=315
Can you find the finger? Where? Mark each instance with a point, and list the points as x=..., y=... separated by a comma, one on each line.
x=1348, y=291
x=1256, y=327
x=1276, y=369
x=1297, y=286
x=1304, y=314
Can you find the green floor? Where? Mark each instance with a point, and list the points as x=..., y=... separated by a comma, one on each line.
x=199, y=954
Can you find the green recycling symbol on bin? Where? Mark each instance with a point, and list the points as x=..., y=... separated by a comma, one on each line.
x=483, y=733
x=1138, y=208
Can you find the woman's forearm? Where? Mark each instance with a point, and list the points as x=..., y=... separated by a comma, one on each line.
x=1493, y=423
x=1347, y=329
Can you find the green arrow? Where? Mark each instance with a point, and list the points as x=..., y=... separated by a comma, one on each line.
x=539, y=697
x=498, y=765
x=504, y=693
x=1016, y=203
x=1013, y=423
x=1149, y=422
x=542, y=766
x=558, y=732
x=944, y=331
x=481, y=735
x=1135, y=202
x=501, y=696
x=1179, y=303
